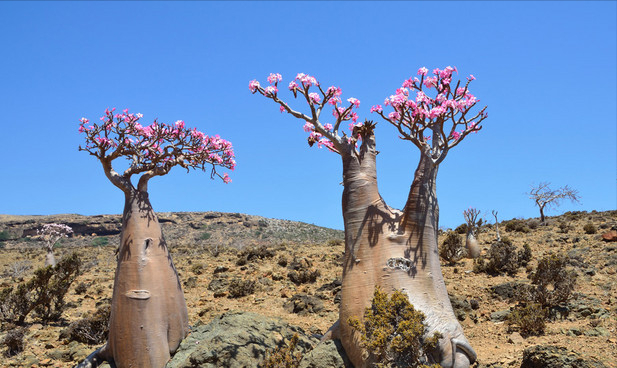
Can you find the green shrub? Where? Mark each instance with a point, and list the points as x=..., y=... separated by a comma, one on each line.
x=502, y=258
x=553, y=282
x=4, y=235
x=524, y=255
x=205, y=236
x=283, y=356
x=100, y=241
x=43, y=294
x=529, y=318
x=452, y=249
x=197, y=268
x=564, y=227
x=517, y=225
x=392, y=332
x=590, y=228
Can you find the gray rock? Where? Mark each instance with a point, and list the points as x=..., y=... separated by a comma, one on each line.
x=303, y=304
x=461, y=307
x=235, y=340
x=500, y=316
x=506, y=291
x=547, y=356
x=326, y=354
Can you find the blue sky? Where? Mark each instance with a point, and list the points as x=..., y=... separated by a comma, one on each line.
x=546, y=70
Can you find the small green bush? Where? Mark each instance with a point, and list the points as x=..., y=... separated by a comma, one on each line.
x=100, y=241
x=564, y=227
x=502, y=258
x=43, y=294
x=205, y=236
x=590, y=228
x=524, y=255
x=452, y=249
x=529, y=318
x=283, y=356
x=553, y=282
x=4, y=235
x=392, y=332
x=517, y=225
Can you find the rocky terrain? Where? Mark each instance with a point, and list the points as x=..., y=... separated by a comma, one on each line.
x=281, y=277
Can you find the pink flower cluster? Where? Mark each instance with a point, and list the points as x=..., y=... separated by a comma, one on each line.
x=156, y=145
x=317, y=100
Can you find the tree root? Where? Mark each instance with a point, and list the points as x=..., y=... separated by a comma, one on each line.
x=96, y=358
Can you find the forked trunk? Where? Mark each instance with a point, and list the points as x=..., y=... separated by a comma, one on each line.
x=149, y=317
x=395, y=250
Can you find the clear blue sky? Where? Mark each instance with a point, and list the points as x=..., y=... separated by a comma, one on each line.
x=546, y=70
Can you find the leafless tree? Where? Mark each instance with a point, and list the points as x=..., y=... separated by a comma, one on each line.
x=544, y=196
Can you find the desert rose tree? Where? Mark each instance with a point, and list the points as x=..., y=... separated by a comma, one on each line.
x=384, y=246
x=51, y=233
x=471, y=218
x=148, y=312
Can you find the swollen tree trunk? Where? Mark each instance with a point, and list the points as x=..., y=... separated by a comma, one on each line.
x=50, y=259
x=149, y=317
x=395, y=250
x=471, y=243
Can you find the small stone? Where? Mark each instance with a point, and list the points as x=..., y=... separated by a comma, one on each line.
x=610, y=236
x=516, y=338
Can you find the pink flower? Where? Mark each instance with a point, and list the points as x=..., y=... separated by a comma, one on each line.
x=430, y=82
x=308, y=127
x=335, y=91
x=84, y=120
x=422, y=71
x=354, y=117
x=281, y=108
x=455, y=136
x=306, y=80
x=436, y=111
x=271, y=91
x=274, y=78
x=394, y=116
x=354, y=101
x=293, y=85
x=328, y=126
x=314, y=97
x=408, y=83
x=471, y=77
x=334, y=100
x=226, y=179
x=377, y=108
x=338, y=112
x=180, y=124
x=253, y=85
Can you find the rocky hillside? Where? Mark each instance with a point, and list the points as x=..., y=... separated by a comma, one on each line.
x=290, y=272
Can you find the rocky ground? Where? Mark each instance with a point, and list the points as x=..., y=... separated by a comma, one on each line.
x=291, y=271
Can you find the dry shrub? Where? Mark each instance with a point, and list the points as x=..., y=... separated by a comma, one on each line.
x=392, y=332
x=252, y=253
x=517, y=225
x=14, y=341
x=590, y=228
x=43, y=294
x=92, y=329
x=239, y=288
x=524, y=255
x=452, y=248
x=529, y=318
x=502, y=258
x=283, y=356
x=552, y=282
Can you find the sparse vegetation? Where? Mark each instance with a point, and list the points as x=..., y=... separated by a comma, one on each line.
x=283, y=356
x=590, y=228
x=517, y=225
x=392, y=332
x=502, y=258
x=529, y=318
x=14, y=341
x=43, y=294
x=452, y=249
x=90, y=330
x=100, y=242
x=239, y=288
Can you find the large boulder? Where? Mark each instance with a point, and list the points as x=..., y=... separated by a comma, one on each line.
x=237, y=339
x=547, y=356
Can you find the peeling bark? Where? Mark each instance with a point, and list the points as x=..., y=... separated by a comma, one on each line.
x=395, y=249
